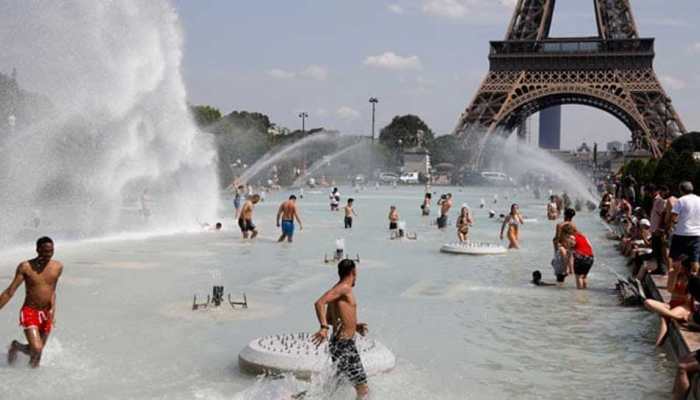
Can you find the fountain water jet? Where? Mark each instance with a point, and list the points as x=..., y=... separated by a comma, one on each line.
x=120, y=123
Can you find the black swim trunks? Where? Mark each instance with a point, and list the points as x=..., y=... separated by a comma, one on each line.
x=246, y=225
x=392, y=226
x=347, y=361
x=348, y=222
x=582, y=264
x=442, y=221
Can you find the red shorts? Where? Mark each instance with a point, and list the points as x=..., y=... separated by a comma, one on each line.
x=32, y=318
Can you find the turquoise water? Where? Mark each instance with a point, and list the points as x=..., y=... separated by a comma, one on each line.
x=460, y=326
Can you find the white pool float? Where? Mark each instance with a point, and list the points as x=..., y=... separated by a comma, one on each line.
x=296, y=354
x=473, y=248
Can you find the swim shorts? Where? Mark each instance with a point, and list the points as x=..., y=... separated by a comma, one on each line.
x=688, y=246
x=347, y=360
x=348, y=222
x=561, y=278
x=246, y=225
x=32, y=318
x=392, y=226
x=582, y=264
x=442, y=221
x=288, y=227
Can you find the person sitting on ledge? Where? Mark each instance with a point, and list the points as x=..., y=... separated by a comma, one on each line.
x=690, y=363
x=680, y=306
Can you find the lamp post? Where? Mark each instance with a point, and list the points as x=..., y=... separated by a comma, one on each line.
x=373, y=101
x=303, y=115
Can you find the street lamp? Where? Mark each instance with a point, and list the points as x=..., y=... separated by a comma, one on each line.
x=303, y=115
x=373, y=101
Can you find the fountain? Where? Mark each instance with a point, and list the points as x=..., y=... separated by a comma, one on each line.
x=119, y=126
x=325, y=161
x=297, y=354
x=278, y=154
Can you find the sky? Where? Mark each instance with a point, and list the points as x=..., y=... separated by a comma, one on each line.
x=423, y=57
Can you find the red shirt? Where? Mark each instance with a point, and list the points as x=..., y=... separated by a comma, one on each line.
x=583, y=246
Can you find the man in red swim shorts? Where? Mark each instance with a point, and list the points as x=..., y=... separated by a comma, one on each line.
x=37, y=314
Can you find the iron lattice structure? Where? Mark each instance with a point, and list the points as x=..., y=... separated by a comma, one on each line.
x=529, y=71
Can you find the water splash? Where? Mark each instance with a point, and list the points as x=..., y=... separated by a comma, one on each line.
x=279, y=154
x=119, y=124
x=519, y=158
x=325, y=161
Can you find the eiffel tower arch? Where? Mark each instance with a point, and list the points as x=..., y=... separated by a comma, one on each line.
x=531, y=71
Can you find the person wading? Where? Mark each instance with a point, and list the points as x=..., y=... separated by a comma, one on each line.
x=288, y=213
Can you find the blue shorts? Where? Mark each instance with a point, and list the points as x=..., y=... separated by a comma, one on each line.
x=288, y=227
x=688, y=246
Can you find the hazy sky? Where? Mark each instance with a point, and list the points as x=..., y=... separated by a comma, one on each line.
x=425, y=57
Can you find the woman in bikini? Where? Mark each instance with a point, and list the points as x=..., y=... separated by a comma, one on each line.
x=463, y=223
x=513, y=220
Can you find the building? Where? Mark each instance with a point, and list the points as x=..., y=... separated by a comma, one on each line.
x=416, y=159
x=614, y=146
x=550, y=128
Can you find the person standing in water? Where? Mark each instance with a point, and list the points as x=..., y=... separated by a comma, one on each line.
x=288, y=213
x=349, y=213
x=393, y=218
x=245, y=219
x=237, y=199
x=552, y=209
x=337, y=308
x=513, y=220
x=425, y=207
x=445, y=204
x=38, y=312
x=464, y=221
x=580, y=255
x=569, y=215
x=335, y=199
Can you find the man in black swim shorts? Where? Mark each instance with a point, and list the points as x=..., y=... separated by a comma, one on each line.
x=338, y=308
x=245, y=219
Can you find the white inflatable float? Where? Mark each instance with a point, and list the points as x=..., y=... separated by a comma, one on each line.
x=473, y=248
x=296, y=354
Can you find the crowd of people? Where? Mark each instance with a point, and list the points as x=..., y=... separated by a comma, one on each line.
x=659, y=230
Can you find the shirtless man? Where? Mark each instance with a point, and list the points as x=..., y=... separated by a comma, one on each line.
x=349, y=213
x=445, y=205
x=37, y=314
x=245, y=219
x=341, y=314
x=288, y=213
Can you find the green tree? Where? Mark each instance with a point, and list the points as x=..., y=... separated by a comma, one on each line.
x=446, y=149
x=664, y=169
x=405, y=128
x=205, y=115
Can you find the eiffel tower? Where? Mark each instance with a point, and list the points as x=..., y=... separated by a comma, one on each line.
x=531, y=71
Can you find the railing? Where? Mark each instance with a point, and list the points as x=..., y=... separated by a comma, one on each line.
x=643, y=47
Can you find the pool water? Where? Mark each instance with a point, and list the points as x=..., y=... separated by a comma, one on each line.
x=461, y=327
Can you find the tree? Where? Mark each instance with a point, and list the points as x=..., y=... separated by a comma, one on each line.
x=405, y=128
x=205, y=115
x=446, y=149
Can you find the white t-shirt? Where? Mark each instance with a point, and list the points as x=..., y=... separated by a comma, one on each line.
x=688, y=210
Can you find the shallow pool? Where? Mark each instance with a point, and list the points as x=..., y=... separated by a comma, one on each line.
x=461, y=327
